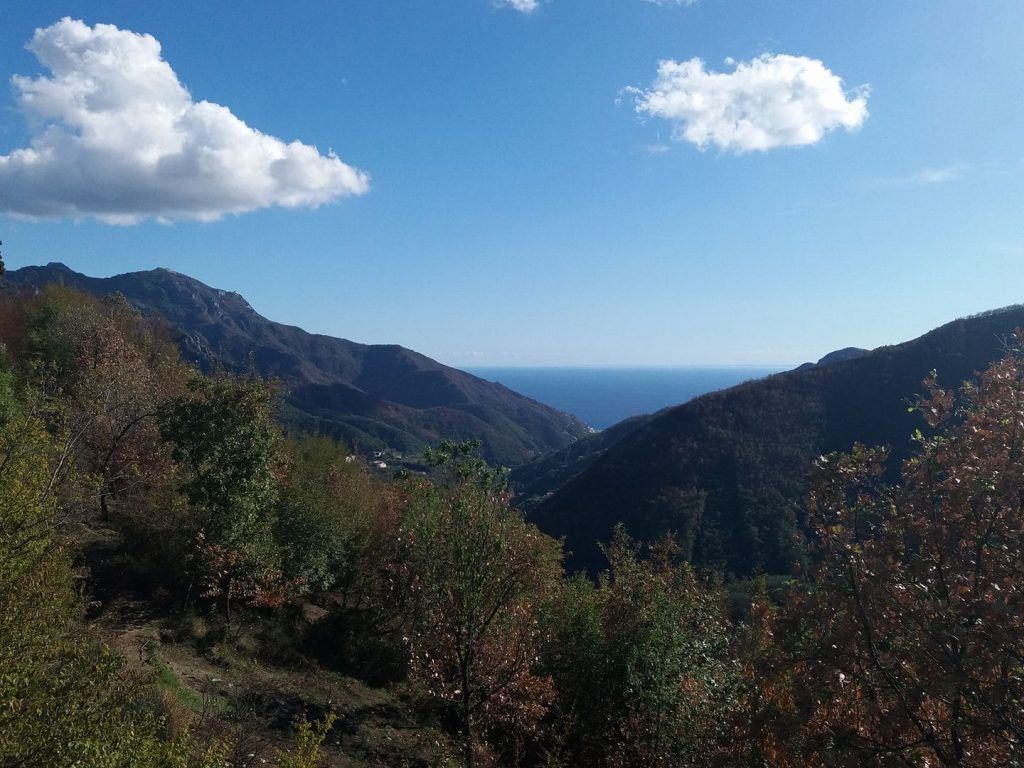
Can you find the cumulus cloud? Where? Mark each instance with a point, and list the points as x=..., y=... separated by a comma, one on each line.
x=117, y=137
x=771, y=101
x=523, y=6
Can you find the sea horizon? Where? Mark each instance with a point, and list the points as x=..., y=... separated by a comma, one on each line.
x=606, y=367
x=603, y=396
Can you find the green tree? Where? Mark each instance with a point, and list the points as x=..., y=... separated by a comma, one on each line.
x=641, y=662
x=307, y=751
x=325, y=521
x=224, y=435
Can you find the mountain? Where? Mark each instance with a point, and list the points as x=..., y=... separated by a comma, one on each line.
x=537, y=479
x=839, y=356
x=842, y=355
x=375, y=397
x=727, y=472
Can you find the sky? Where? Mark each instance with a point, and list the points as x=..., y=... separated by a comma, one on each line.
x=532, y=182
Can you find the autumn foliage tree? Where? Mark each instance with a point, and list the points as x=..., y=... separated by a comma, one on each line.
x=124, y=372
x=906, y=648
x=112, y=371
x=475, y=575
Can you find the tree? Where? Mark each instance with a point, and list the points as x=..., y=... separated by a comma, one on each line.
x=641, y=662
x=308, y=748
x=907, y=645
x=223, y=433
x=112, y=370
x=325, y=522
x=64, y=699
x=476, y=575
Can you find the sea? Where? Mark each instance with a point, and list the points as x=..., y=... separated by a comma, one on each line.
x=604, y=396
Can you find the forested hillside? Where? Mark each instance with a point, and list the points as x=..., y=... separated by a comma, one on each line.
x=536, y=480
x=727, y=472
x=374, y=397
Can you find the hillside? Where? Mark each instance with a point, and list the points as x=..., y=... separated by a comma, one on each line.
x=537, y=479
x=727, y=471
x=839, y=356
x=374, y=397
x=181, y=586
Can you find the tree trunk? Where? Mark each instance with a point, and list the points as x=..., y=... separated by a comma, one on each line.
x=467, y=720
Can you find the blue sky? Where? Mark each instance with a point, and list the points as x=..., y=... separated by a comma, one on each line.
x=519, y=210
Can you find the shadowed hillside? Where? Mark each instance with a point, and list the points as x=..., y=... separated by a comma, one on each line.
x=375, y=397
x=536, y=480
x=727, y=471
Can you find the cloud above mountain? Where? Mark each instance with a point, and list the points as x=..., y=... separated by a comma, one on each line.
x=117, y=137
x=771, y=101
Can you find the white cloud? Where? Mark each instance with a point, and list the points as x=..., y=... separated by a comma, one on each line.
x=939, y=175
x=771, y=101
x=117, y=137
x=658, y=148
x=672, y=2
x=928, y=175
x=523, y=6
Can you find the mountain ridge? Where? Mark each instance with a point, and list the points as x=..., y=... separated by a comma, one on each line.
x=373, y=396
x=536, y=480
x=727, y=472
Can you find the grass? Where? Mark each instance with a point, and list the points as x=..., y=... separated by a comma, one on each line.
x=193, y=700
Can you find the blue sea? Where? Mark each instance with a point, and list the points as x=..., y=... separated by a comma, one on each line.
x=604, y=396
